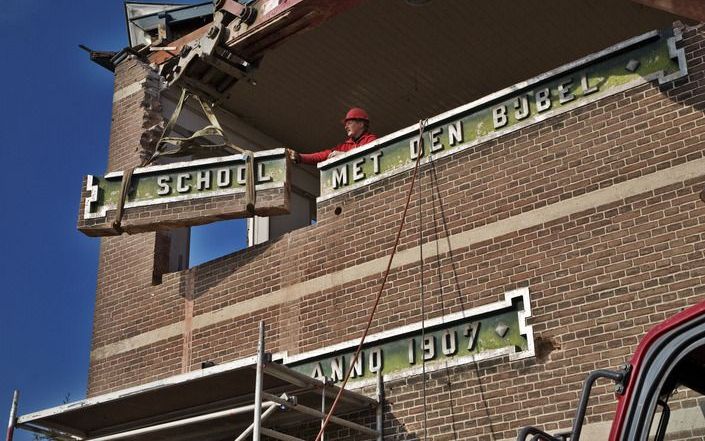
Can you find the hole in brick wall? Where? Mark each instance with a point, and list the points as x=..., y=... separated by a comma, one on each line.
x=212, y=241
x=702, y=195
x=544, y=346
x=337, y=211
x=171, y=253
x=215, y=240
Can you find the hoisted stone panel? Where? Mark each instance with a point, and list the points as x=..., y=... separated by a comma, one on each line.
x=185, y=194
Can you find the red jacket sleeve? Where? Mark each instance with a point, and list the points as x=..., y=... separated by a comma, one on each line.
x=314, y=158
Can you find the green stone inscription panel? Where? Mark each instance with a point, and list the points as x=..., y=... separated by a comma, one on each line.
x=489, y=331
x=652, y=56
x=158, y=188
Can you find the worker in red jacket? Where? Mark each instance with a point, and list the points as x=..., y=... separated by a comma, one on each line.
x=357, y=126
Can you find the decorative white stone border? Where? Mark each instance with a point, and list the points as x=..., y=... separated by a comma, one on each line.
x=509, y=297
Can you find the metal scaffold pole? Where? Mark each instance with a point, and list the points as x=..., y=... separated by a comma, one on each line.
x=13, y=416
x=270, y=410
x=323, y=406
x=258, y=385
x=380, y=406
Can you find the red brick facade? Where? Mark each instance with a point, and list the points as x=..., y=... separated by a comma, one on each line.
x=596, y=211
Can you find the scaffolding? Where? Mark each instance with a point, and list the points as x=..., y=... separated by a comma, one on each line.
x=206, y=405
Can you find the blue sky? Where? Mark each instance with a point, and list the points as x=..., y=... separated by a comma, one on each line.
x=54, y=128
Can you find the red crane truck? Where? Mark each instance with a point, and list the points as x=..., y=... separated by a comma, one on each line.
x=671, y=356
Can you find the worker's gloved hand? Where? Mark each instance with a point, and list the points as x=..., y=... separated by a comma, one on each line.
x=293, y=155
x=335, y=153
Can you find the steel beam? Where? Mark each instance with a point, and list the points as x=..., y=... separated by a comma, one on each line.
x=279, y=435
x=245, y=433
x=50, y=434
x=695, y=10
x=317, y=414
x=13, y=416
x=179, y=423
x=297, y=378
x=257, y=423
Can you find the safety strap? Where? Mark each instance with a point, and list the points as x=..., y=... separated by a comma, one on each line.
x=192, y=143
x=126, y=178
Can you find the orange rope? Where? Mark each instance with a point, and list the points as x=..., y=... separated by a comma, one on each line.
x=422, y=125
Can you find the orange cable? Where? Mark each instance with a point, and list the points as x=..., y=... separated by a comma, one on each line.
x=422, y=125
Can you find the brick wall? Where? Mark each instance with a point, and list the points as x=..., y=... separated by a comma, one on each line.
x=127, y=304
x=137, y=120
x=596, y=211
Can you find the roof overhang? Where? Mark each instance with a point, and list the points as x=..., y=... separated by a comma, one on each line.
x=403, y=63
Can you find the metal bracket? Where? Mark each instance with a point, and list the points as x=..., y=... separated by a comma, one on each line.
x=621, y=385
x=246, y=14
x=206, y=66
x=620, y=377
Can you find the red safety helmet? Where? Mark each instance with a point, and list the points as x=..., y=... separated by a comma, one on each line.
x=356, y=113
